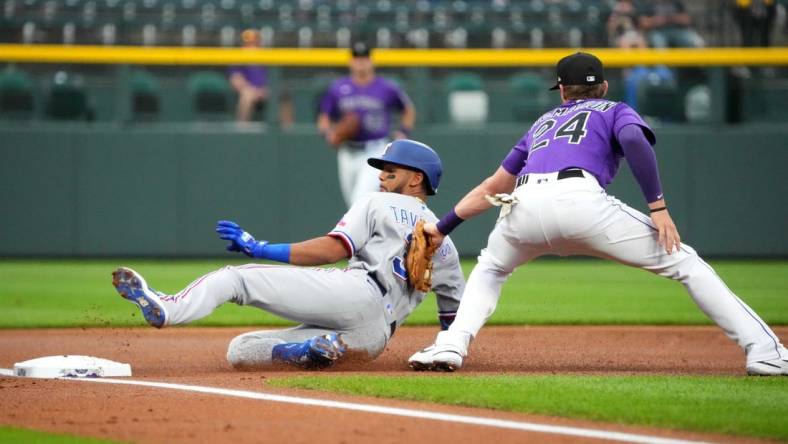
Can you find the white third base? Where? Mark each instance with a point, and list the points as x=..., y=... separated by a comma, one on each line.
x=71, y=366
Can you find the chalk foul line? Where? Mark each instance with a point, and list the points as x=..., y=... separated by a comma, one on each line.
x=395, y=411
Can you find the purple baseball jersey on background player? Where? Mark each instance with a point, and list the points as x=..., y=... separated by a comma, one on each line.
x=579, y=133
x=254, y=74
x=372, y=102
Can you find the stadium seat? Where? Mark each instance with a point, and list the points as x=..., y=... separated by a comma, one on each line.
x=661, y=101
x=67, y=99
x=145, y=96
x=209, y=93
x=528, y=92
x=16, y=95
x=467, y=101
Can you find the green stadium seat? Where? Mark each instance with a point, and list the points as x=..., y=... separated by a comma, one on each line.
x=67, y=98
x=145, y=96
x=467, y=100
x=661, y=101
x=16, y=95
x=209, y=92
x=529, y=96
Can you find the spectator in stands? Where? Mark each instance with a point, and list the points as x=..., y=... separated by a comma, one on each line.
x=755, y=19
x=639, y=75
x=622, y=20
x=249, y=81
x=667, y=24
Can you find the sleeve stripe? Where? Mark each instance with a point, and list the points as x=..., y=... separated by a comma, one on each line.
x=346, y=240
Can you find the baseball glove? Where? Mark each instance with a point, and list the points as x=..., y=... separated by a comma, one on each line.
x=418, y=259
x=346, y=128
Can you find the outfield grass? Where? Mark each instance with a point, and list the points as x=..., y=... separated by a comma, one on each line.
x=15, y=435
x=70, y=293
x=756, y=407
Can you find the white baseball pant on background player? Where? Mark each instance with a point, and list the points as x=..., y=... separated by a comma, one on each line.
x=356, y=177
x=574, y=216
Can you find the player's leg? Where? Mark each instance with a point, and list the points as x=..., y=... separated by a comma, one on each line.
x=504, y=252
x=627, y=236
x=347, y=166
x=306, y=346
x=317, y=296
x=367, y=178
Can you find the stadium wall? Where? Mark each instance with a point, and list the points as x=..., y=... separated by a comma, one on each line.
x=157, y=192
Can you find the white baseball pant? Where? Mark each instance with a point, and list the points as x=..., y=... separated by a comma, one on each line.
x=356, y=177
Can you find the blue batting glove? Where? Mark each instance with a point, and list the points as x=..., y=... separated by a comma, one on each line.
x=239, y=239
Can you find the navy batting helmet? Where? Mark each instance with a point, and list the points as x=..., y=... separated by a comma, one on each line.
x=414, y=155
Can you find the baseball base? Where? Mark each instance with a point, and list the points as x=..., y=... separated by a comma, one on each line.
x=71, y=366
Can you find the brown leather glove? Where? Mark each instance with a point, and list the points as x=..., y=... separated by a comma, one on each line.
x=346, y=128
x=418, y=259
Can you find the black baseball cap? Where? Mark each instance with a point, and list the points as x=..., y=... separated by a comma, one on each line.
x=580, y=68
x=360, y=49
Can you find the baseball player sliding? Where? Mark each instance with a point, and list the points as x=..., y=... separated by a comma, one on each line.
x=370, y=100
x=559, y=171
x=356, y=308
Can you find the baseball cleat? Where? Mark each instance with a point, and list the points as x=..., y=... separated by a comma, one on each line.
x=318, y=352
x=130, y=285
x=773, y=367
x=441, y=358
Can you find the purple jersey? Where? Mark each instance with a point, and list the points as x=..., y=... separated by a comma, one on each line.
x=579, y=133
x=254, y=74
x=372, y=102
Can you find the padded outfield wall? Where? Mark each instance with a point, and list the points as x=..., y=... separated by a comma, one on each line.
x=110, y=191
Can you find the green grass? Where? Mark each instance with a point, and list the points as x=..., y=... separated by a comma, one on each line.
x=14, y=435
x=755, y=407
x=68, y=293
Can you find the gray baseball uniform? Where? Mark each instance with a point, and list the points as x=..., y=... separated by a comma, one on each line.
x=365, y=302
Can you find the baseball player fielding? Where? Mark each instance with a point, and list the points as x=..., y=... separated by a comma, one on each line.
x=557, y=174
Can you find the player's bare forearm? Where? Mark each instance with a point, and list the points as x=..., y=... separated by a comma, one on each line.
x=474, y=202
x=669, y=236
x=318, y=251
x=409, y=117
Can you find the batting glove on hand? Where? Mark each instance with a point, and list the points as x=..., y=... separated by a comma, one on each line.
x=239, y=239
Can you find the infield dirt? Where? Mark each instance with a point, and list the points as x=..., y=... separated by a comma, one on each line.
x=196, y=356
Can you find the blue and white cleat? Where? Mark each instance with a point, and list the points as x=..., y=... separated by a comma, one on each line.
x=314, y=353
x=130, y=285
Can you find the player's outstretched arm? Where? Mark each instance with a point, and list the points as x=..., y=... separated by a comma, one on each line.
x=318, y=251
x=472, y=204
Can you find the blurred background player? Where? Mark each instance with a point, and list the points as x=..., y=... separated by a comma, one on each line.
x=372, y=99
x=356, y=308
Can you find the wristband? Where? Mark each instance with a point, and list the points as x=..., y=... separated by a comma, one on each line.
x=657, y=209
x=449, y=222
x=273, y=252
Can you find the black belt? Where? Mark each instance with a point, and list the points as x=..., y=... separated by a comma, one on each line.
x=377, y=282
x=563, y=174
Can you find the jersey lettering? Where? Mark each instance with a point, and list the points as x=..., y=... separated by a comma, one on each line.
x=574, y=128
x=403, y=216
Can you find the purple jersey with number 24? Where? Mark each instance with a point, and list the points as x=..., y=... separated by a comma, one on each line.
x=579, y=133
